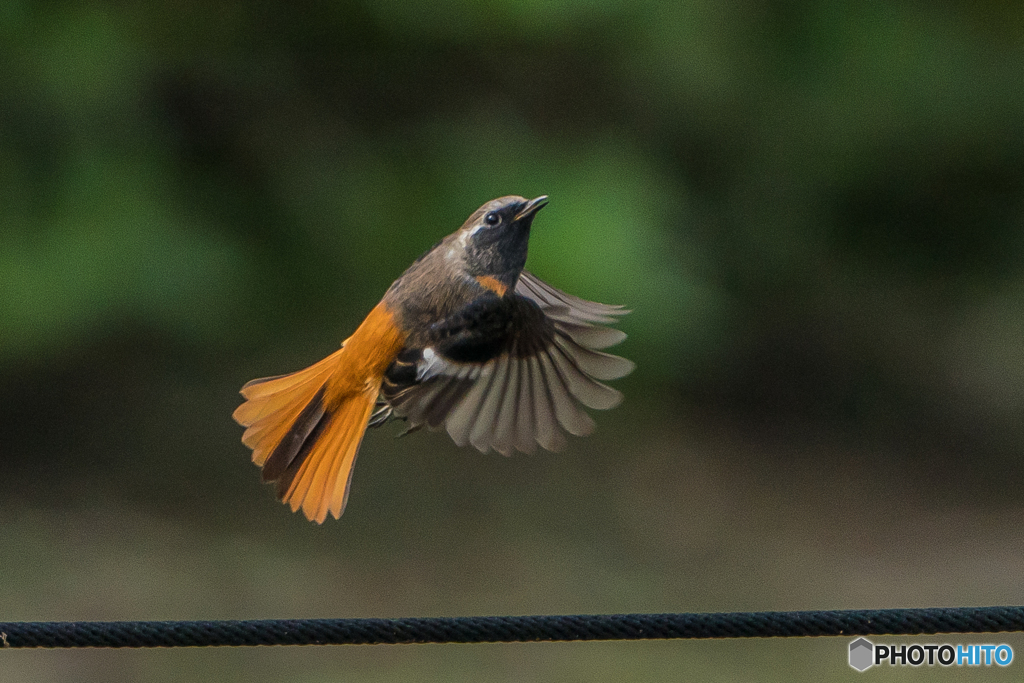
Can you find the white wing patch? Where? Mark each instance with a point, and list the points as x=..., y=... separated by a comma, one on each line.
x=431, y=365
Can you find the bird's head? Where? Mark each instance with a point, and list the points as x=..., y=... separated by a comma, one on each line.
x=496, y=236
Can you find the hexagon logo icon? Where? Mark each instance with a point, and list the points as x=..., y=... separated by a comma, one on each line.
x=861, y=654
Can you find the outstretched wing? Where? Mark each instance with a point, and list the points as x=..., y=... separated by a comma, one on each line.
x=511, y=372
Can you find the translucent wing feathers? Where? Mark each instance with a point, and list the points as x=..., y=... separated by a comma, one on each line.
x=512, y=372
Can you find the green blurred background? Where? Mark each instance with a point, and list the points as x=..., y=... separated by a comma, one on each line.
x=814, y=209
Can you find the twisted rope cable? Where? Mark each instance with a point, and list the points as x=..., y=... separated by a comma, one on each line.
x=116, y=634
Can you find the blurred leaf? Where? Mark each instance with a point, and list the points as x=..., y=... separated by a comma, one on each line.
x=119, y=250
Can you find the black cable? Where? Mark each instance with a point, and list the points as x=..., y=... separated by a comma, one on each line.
x=510, y=629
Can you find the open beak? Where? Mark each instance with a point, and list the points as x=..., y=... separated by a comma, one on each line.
x=531, y=207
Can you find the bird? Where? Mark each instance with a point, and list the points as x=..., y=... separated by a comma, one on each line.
x=465, y=340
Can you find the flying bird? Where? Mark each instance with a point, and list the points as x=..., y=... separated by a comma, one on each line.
x=464, y=340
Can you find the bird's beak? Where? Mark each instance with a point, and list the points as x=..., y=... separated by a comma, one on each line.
x=531, y=207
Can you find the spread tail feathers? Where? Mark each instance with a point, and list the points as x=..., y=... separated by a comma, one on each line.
x=306, y=442
x=305, y=428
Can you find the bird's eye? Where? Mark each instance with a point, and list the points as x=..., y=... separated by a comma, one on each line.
x=492, y=218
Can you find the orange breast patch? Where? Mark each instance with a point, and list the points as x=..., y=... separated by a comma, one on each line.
x=488, y=282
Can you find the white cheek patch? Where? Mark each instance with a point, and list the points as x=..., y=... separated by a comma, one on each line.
x=463, y=242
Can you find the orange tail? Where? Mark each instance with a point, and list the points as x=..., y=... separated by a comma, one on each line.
x=305, y=428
